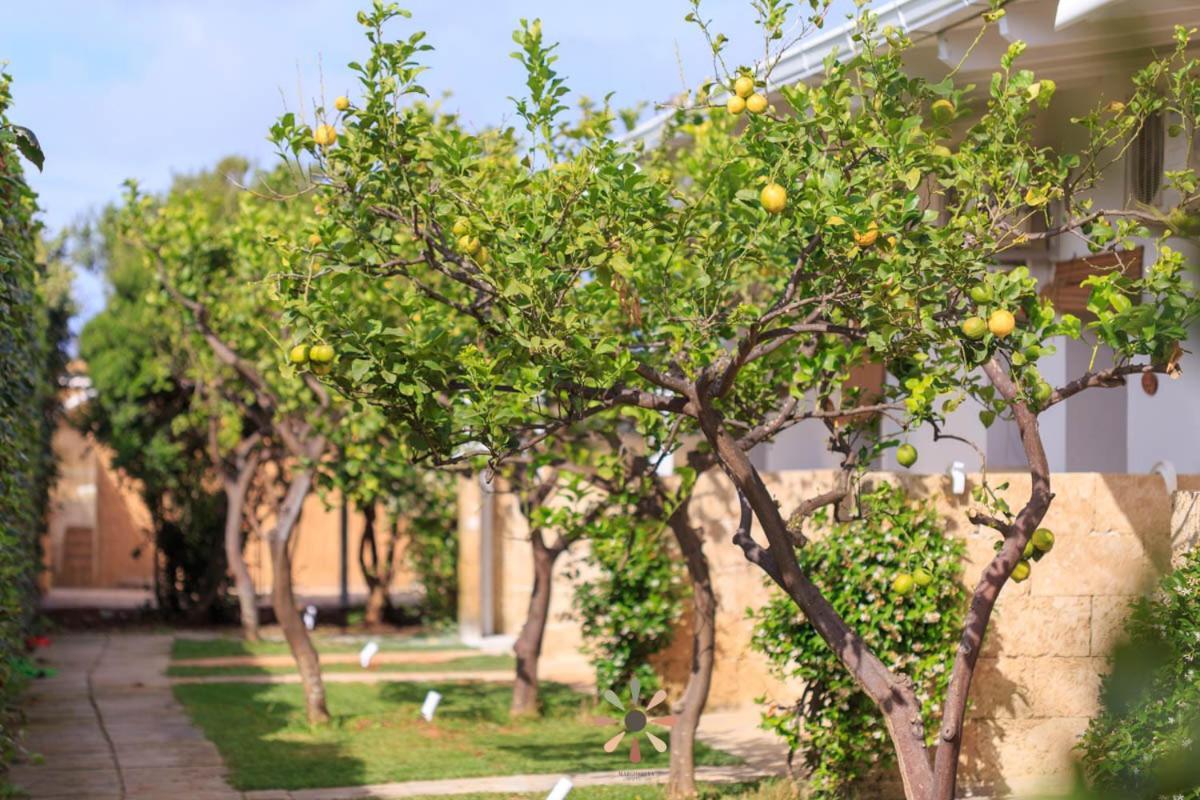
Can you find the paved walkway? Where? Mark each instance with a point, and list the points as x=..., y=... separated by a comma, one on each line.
x=286, y=660
x=366, y=676
x=508, y=784
x=109, y=728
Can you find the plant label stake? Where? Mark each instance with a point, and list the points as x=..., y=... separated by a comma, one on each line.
x=368, y=652
x=560, y=789
x=310, y=617
x=430, y=705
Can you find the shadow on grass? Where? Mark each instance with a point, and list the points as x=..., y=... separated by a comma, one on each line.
x=260, y=730
x=377, y=736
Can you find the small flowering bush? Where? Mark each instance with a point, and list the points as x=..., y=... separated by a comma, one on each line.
x=1146, y=742
x=856, y=564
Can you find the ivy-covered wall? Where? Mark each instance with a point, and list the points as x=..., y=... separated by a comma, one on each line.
x=31, y=332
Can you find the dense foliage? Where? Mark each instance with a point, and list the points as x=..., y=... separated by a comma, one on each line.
x=1145, y=744
x=33, y=320
x=833, y=724
x=728, y=280
x=631, y=600
x=142, y=364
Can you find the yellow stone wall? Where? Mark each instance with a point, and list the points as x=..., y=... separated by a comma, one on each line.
x=1045, y=653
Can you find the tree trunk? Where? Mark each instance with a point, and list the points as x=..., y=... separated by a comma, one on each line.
x=528, y=647
x=681, y=780
x=987, y=591
x=892, y=694
x=236, y=488
x=286, y=612
x=378, y=578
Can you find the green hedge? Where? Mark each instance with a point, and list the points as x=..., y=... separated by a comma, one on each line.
x=30, y=358
x=1145, y=743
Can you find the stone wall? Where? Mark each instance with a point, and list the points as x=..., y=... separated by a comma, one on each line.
x=1039, y=677
x=92, y=496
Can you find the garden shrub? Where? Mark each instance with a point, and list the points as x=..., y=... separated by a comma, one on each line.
x=432, y=551
x=836, y=727
x=33, y=317
x=1145, y=743
x=629, y=604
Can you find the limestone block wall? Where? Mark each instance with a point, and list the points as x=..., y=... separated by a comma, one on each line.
x=1039, y=678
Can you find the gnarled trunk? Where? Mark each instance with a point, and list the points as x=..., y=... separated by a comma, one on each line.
x=528, y=647
x=892, y=694
x=377, y=572
x=681, y=779
x=299, y=642
x=236, y=488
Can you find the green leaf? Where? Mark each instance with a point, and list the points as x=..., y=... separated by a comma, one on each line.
x=29, y=146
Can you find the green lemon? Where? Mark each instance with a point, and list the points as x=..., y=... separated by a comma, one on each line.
x=298, y=354
x=922, y=577
x=1021, y=571
x=321, y=353
x=906, y=455
x=974, y=327
x=980, y=293
x=903, y=584
x=1043, y=539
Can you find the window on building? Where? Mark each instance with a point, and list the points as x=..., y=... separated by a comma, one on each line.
x=1065, y=290
x=1146, y=159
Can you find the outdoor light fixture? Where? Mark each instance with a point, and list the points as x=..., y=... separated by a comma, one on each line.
x=1170, y=477
x=958, y=478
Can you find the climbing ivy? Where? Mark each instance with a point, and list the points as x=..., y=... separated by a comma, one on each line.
x=33, y=320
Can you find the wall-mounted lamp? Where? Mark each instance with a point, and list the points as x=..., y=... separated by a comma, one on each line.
x=958, y=477
x=1167, y=470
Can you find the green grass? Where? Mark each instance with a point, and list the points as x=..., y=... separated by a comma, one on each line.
x=376, y=734
x=222, y=647
x=479, y=662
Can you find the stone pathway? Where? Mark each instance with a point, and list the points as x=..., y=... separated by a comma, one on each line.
x=508, y=784
x=108, y=727
x=366, y=676
x=285, y=660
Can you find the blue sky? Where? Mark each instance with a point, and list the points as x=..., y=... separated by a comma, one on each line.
x=148, y=89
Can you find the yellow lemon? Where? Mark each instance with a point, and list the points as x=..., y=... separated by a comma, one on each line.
x=756, y=104
x=943, y=111
x=342, y=103
x=325, y=135
x=867, y=238
x=735, y=105
x=743, y=86
x=1001, y=323
x=773, y=198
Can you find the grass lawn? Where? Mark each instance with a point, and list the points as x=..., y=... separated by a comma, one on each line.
x=220, y=647
x=376, y=735
x=479, y=662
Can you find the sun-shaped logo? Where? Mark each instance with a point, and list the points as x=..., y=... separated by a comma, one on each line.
x=636, y=718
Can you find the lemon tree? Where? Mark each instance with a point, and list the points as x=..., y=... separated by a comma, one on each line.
x=217, y=264
x=539, y=279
